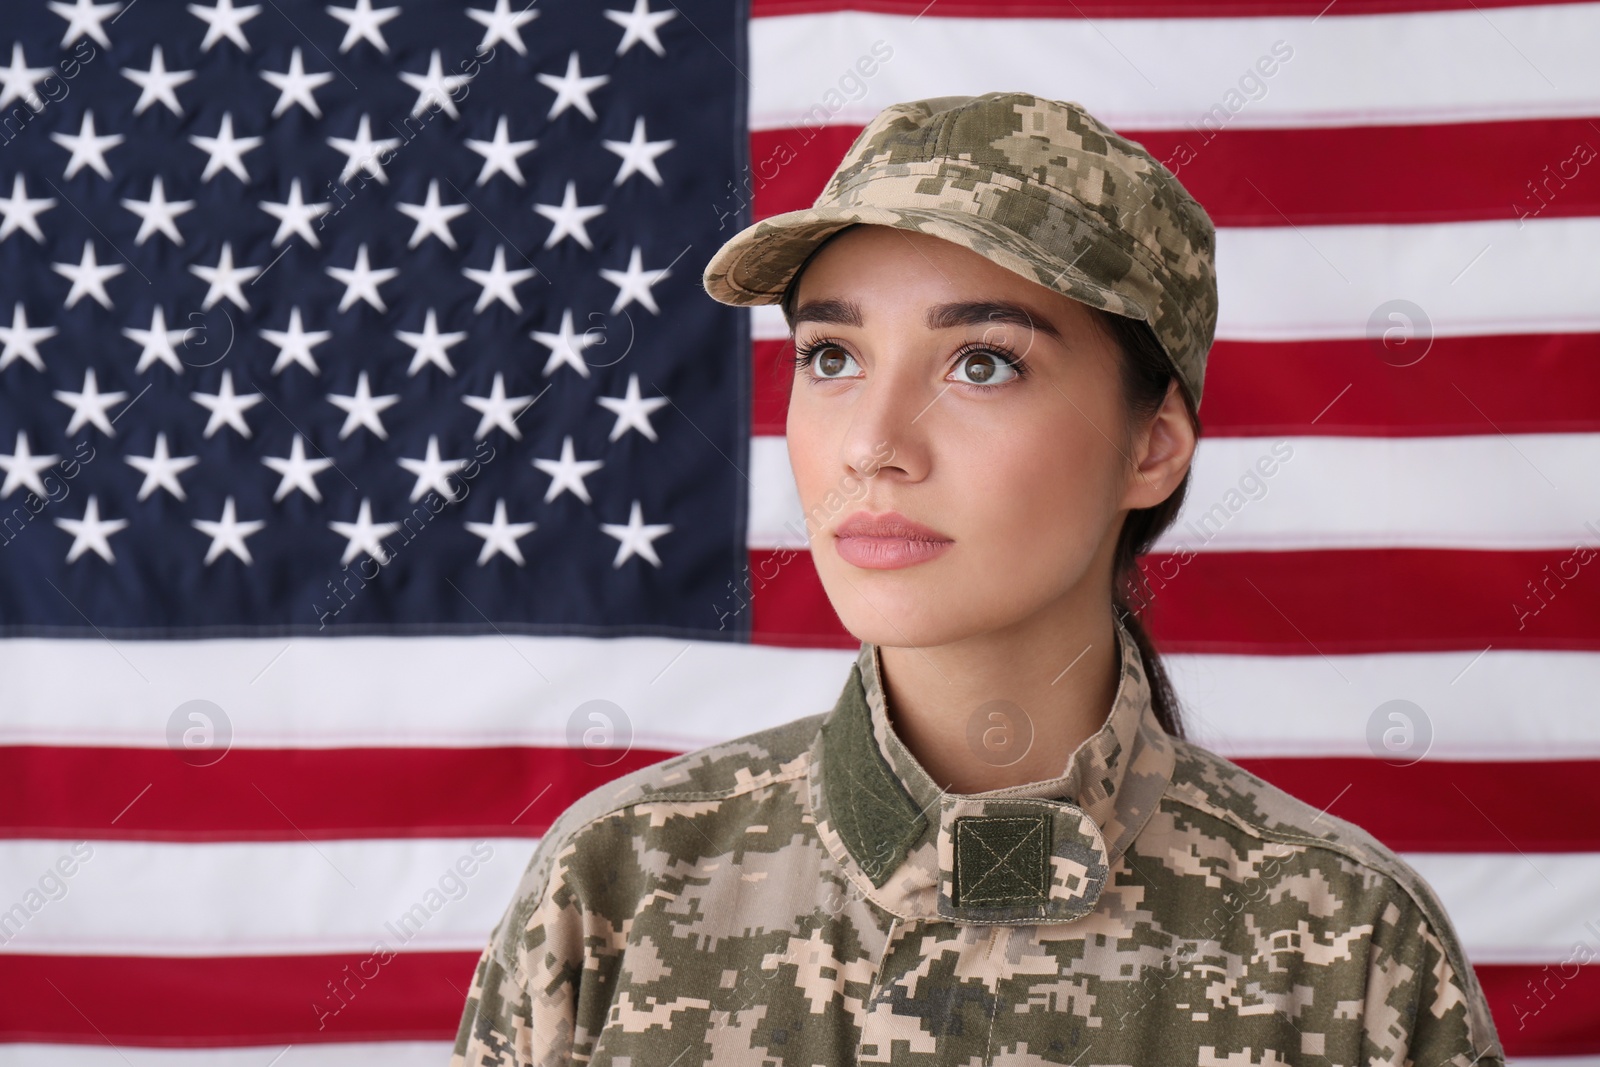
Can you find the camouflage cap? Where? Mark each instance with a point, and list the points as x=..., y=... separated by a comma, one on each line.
x=1040, y=187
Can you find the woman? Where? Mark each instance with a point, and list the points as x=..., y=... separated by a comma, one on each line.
x=996, y=848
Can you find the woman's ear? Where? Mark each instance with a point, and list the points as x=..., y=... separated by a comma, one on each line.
x=1162, y=450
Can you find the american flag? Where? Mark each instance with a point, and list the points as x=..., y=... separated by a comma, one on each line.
x=378, y=479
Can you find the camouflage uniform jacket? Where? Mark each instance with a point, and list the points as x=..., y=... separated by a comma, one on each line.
x=808, y=895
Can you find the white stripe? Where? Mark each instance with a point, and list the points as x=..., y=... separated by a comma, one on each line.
x=1309, y=282
x=159, y=899
x=1147, y=74
x=328, y=1054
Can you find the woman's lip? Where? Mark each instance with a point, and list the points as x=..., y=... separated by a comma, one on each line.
x=888, y=553
x=891, y=525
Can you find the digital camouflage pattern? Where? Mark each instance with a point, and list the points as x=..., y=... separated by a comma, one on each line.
x=807, y=895
x=1040, y=187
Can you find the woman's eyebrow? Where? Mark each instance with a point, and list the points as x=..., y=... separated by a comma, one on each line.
x=939, y=317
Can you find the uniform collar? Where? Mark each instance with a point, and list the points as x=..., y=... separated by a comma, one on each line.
x=1039, y=852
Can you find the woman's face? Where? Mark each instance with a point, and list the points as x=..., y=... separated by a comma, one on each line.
x=977, y=403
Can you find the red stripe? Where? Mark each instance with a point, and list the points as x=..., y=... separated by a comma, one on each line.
x=1301, y=176
x=420, y=996
x=1125, y=9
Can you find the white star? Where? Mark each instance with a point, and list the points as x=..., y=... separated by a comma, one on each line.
x=497, y=409
x=297, y=471
x=87, y=148
x=226, y=407
x=224, y=279
x=22, y=467
x=432, y=217
x=20, y=81
x=634, y=283
x=568, y=473
x=295, y=344
x=573, y=89
x=156, y=85
x=362, y=152
x=158, y=214
x=635, y=538
x=22, y=341
x=88, y=277
x=84, y=17
x=227, y=533
x=91, y=532
x=500, y=535
x=158, y=342
x=566, y=346
x=498, y=282
x=502, y=24
x=501, y=154
x=224, y=20
x=569, y=218
x=21, y=213
x=632, y=410
x=638, y=154
x=432, y=472
x=225, y=150
x=431, y=346
x=363, y=24
x=363, y=409
x=294, y=216
x=435, y=87
x=90, y=405
x=364, y=535
x=161, y=469
x=295, y=86
x=361, y=281
x=641, y=24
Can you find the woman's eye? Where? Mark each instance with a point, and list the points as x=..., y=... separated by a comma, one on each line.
x=828, y=361
x=985, y=368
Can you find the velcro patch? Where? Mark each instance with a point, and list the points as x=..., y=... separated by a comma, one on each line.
x=1002, y=859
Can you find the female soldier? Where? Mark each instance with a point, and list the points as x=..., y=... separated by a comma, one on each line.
x=996, y=848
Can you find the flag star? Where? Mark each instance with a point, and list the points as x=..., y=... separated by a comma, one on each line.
x=361, y=281
x=432, y=217
x=91, y=532
x=158, y=342
x=635, y=538
x=570, y=219
x=433, y=472
x=363, y=409
x=498, y=282
x=89, y=405
x=638, y=154
x=19, y=212
x=20, y=81
x=573, y=89
x=88, y=277
x=568, y=473
x=566, y=347
x=632, y=410
x=224, y=20
x=87, y=147
x=224, y=279
x=503, y=24
x=21, y=341
x=294, y=216
x=640, y=24
x=362, y=23
x=435, y=88
x=362, y=152
x=298, y=472
x=431, y=346
x=364, y=535
x=501, y=154
x=497, y=409
x=22, y=468
x=161, y=469
x=84, y=18
x=156, y=85
x=500, y=535
x=225, y=150
x=295, y=86
x=228, y=533
x=295, y=344
x=634, y=283
x=226, y=407
x=158, y=214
